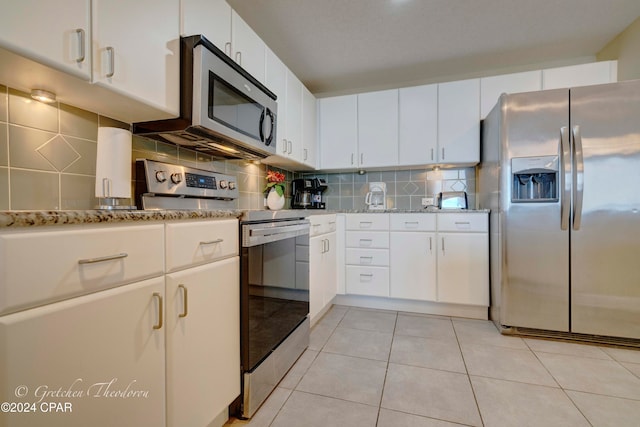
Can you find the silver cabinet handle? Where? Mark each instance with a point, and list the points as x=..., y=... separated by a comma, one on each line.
x=365, y=258
x=565, y=174
x=432, y=154
x=332, y=222
x=442, y=153
x=351, y=158
x=227, y=48
x=578, y=178
x=112, y=61
x=366, y=275
x=185, y=303
x=305, y=154
x=362, y=158
x=443, y=246
x=328, y=247
x=239, y=58
x=103, y=258
x=285, y=146
x=430, y=244
x=290, y=147
x=411, y=222
x=365, y=222
x=316, y=225
x=81, y=48
x=212, y=242
x=160, y=310
x=462, y=223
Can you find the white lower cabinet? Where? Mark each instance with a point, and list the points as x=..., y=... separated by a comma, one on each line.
x=322, y=264
x=203, y=342
x=463, y=268
x=103, y=352
x=413, y=265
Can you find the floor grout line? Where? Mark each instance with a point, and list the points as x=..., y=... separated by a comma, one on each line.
x=475, y=398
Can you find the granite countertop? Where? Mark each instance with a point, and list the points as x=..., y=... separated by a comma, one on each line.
x=427, y=210
x=14, y=219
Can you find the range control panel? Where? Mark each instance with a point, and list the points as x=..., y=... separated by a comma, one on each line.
x=175, y=180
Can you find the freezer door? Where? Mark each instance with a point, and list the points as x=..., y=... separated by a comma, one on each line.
x=605, y=232
x=535, y=281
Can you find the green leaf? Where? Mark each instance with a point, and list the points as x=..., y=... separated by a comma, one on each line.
x=279, y=189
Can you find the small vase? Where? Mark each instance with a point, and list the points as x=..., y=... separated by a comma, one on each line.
x=275, y=202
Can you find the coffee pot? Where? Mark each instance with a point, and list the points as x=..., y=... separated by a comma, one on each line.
x=376, y=198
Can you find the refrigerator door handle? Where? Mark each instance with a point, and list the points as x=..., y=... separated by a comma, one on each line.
x=565, y=181
x=578, y=177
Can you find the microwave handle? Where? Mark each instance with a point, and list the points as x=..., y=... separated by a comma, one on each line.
x=267, y=113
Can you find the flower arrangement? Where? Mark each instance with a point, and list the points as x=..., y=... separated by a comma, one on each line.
x=275, y=180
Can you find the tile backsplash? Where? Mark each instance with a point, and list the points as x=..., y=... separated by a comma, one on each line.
x=405, y=188
x=48, y=157
x=48, y=161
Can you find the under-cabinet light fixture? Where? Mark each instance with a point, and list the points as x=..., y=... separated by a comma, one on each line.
x=43, y=96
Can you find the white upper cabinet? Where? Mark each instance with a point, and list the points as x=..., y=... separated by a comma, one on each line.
x=492, y=87
x=309, y=128
x=294, y=117
x=378, y=129
x=144, y=66
x=580, y=75
x=55, y=33
x=418, y=125
x=338, y=123
x=248, y=49
x=215, y=20
x=459, y=122
x=211, y=18
x=276, y=82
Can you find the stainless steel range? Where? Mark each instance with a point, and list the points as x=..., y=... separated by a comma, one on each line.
x=274, y=301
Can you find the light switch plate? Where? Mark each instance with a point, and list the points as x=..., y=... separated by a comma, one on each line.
x=427, y=201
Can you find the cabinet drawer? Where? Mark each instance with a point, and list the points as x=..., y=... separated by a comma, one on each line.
x=322, y=224
x=198, y=242
x=368, y=222
x=46, y=266
x=476, y=222
x=413, y=222
x=367, y=239
x=378, y=257
x=368, y=281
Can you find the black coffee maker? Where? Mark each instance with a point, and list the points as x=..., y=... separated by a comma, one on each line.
x=306, y=193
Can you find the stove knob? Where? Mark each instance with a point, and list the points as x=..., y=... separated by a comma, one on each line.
x=176, y=178
x=223, y=184
x=232, y=185
x=161, y=176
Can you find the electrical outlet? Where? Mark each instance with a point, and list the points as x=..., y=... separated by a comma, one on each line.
x=427, y=201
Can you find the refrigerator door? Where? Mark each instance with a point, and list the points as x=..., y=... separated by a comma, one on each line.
x=535, y=279
x=605, y=232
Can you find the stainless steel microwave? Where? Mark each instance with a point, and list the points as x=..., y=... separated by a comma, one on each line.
x=224, y=111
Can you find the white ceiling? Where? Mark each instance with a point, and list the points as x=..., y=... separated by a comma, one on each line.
x=342, y=46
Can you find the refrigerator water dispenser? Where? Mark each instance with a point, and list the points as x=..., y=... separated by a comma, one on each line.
x=534, y=179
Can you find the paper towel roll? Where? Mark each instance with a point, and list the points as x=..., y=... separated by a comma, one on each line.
x=113, y=163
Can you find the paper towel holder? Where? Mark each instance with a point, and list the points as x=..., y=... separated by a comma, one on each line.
x=112, y=203
x=113, y=169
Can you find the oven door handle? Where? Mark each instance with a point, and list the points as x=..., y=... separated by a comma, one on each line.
x=274, y=231
x=257, y=234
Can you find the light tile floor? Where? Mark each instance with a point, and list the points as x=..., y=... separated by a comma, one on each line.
x=388, y=369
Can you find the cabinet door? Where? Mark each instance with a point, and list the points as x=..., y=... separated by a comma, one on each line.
x=418, y=125
x=316, y=276
x=276, y=81
x=338, y=132
x=378, y=128
x=294, y=117
x=211, y=18
x=580, y=75
x=97, y=346
x=412, y=265
x=55, y=33
x=309, y=128
x=143, y=67
x=492, y=87
x=463, y=268
x=329, y=266
x=248, y=48
x=203, y=342
x=459, y=122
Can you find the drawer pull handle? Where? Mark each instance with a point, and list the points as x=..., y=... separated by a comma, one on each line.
x=316, y=225
x=112, y=67
x=462, y=223
x=160, y=310
x=411, y=222
x=81, y=49
x=332, y=222
x=212, y=242
x=101, y=259
x=430, y=245
x=366, y=257
x=366, y=275
x=185, y=303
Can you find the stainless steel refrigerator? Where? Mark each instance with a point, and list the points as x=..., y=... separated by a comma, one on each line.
x=560, y=172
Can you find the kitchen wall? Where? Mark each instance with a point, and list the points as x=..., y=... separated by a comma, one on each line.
x=48, y=157
x=405, y=188
x=626, y=49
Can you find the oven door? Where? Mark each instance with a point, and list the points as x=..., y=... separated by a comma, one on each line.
x=274, y=286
